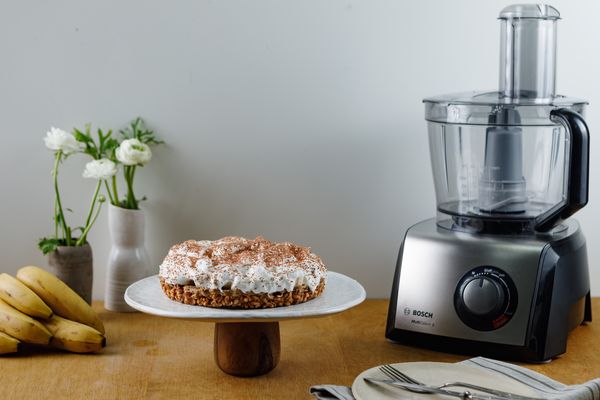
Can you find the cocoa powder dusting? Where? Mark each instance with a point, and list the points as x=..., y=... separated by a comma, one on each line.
x=237, y=250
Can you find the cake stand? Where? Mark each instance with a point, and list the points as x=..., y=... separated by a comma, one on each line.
x=247, y=342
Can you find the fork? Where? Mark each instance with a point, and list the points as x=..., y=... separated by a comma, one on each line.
x=411, y=387
x=395, y=374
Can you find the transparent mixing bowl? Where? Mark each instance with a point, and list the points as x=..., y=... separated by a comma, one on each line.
x=505, y=167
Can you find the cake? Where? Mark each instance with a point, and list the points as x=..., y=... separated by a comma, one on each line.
x=235, y=272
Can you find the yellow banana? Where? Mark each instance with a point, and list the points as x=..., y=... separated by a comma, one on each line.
x=61, y=298
x=22, y=298
x=8, y=344
x=73, y=336
x=16, y=324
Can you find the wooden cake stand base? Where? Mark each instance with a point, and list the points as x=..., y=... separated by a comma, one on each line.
x=247, y=348
x=247, y=342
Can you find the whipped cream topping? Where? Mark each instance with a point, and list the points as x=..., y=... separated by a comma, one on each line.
x=250, y=265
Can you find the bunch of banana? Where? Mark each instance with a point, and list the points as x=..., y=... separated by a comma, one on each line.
x=39, y=308
x=61, y=298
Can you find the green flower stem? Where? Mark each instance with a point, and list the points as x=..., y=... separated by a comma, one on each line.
x=115, y=193
x=83, y=238
x=65, y=228
x=131, y=202
x=110, y=197
x=93, y=203
x=126, y=176
x=55, y=219
x=135, y=203
x=130, y=198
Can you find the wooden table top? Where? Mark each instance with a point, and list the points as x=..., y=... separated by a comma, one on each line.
x=150, y=357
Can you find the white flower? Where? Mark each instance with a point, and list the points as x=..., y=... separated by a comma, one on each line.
x=133, y=152
x=59, y=140
x=100, y=169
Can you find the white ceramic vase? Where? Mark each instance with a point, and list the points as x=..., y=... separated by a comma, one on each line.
x=128, y=260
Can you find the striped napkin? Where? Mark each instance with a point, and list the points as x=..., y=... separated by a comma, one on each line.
x=545, y=387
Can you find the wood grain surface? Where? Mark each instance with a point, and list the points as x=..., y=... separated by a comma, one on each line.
x=150, y=357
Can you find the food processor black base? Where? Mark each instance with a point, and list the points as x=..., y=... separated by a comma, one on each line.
x=504, y=296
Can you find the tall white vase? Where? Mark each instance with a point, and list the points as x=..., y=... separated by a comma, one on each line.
x=128, y=260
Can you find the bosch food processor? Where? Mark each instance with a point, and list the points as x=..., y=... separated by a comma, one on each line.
x=502, y=270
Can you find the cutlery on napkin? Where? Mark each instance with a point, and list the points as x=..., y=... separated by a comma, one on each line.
x=545, y=387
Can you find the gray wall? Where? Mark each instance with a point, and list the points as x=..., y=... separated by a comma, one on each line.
x=297, y=120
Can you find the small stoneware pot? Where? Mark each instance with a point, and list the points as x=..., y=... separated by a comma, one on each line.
x=128, y=260
x=74, y=265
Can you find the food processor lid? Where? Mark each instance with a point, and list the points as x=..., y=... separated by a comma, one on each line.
x=527, y=75
x=536, y=11
x=483, y=108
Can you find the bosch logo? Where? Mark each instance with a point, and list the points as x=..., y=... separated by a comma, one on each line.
x=424, y=314
x=407, y=311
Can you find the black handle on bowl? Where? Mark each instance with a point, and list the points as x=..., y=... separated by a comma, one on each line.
x=579, y=161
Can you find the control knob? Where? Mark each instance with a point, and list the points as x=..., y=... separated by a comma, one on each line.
x=485, y=298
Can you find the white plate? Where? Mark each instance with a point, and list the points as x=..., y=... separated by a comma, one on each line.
x=341, y=293
x=434, y=373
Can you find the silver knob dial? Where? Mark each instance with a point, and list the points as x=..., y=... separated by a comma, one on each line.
x=484, y=297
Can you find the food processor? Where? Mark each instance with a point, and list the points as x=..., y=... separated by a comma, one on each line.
x=502, y=270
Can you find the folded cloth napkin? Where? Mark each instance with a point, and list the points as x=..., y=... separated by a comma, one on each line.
x=327, y=392
x=545, y=387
